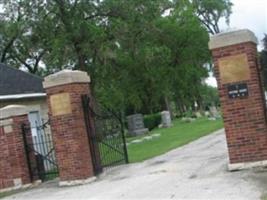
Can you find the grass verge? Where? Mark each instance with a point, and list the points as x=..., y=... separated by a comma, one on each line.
x=178, y=135
x=264, y=197
x=5, y=194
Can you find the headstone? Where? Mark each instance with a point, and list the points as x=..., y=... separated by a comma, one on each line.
x=198, y=114
x=207, y=113
x=212, y=118
x=214, y=112
x=166, y=119
x=188, y=119
x=136, y=125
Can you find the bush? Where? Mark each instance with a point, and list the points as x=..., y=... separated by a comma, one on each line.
x=152, y=121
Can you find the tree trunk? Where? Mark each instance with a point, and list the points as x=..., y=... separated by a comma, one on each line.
x=168, y=106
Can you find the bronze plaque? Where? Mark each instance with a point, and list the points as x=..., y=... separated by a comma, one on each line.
x=234, y=69
x=60, y=104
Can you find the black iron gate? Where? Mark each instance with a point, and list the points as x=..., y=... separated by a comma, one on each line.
x=40, y=152
x=105, y=130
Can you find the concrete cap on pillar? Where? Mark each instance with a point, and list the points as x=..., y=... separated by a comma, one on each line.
x=12, y=110
x=66, y=77
x=232, y=38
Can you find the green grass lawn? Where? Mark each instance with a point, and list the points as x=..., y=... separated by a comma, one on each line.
x=5, y=194
x=179, y=134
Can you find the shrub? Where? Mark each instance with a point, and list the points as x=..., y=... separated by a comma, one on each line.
x=189, y=114
x=152, y=121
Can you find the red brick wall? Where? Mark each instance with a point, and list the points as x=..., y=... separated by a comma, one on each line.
x=6, y=178
x=70, y=135
x=244, y=119
x=13, y=163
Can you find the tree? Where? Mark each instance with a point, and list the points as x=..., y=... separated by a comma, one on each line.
x=135, y=61
x=139, y=59
x=210, y=12
x=210, y=96
x=23, y=34
x=187, y=40
x=11, y=27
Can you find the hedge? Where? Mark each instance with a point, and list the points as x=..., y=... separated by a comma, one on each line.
x=152, y=121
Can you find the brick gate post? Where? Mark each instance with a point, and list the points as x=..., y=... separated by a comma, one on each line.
x=242, y=97
x=14, y=168
x=64, y=90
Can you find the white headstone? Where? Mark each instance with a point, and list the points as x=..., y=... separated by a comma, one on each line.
x=214, y=112
x=166, y=119
x=198, y=114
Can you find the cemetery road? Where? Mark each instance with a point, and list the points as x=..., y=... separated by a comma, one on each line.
x=195, y=171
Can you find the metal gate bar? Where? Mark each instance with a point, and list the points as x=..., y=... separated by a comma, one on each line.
x=40, y=152
x=106, y=136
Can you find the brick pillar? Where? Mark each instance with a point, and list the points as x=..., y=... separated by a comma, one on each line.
x=14, y=169
x=242, y=98
x=64, y=90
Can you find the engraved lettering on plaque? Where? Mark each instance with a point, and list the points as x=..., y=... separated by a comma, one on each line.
x=234, y=69
x=60, y=104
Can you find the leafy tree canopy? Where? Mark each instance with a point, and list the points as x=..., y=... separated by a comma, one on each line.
x=210, y=12
x=138, y=56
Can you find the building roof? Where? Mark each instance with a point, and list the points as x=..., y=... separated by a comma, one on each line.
x=14, y=81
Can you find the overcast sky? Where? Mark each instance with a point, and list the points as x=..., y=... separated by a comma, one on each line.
x=250, y=14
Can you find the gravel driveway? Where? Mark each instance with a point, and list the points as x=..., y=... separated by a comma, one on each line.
x=195, y=171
